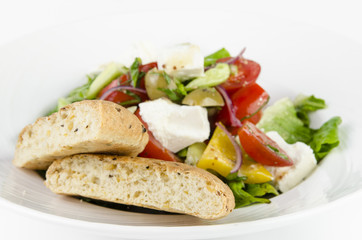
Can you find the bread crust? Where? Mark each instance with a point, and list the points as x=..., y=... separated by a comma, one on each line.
x=82, y=127
x=217, y=192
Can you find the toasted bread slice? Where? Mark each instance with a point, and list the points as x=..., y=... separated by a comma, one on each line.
x=88, y=126
x=150, y=183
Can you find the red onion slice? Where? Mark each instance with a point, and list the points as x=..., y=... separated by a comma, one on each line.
x=240, y=55
x=235, y=122
x=239, y=155
x=111, y=90
x=230, y=61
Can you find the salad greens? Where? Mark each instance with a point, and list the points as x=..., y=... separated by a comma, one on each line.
x=291, y=121
x=247, y=194
x=77, y=94
x=261, y=189
x=325, y=138
x=96, y=82
x=282, y=118
x=305, y=105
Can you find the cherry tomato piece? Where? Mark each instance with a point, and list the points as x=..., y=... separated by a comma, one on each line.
x=247, y=104
x=261, y=148
x=247, y=73
x=147, y=67
x=154, y=148
x=248, y=101
x=120, y=96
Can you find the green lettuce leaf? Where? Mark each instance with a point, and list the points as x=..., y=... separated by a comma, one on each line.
x=291, y=121
x=282, y=118
x=261, y=189
x=325, y=138
x=305, y=105
x=242, y=197
x=212, y=58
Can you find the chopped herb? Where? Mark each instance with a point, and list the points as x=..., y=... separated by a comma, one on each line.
x=276, y=150
x=181, y=88
x=172, y=94
x=136, y=99
x=166, y=77
x=177, y=94
x=134, y=71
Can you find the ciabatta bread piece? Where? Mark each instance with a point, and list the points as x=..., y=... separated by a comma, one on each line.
x=89, y=126
x=150, y=183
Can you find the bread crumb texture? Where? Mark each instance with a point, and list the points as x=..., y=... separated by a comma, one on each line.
x=89, y=126
x=156, y=184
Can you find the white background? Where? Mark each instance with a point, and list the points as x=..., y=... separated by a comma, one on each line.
x=20, y=17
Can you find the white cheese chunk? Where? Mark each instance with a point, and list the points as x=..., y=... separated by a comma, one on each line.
x=182, y=61
x=304, y=162
x=175, y=126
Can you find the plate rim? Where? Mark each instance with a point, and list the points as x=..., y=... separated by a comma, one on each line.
x=164, y=229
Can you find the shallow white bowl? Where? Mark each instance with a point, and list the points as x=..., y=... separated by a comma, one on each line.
x=295, y=58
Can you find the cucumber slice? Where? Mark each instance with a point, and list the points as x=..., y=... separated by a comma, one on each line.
x=194, y=153
x=212, y=77
x=111, y=72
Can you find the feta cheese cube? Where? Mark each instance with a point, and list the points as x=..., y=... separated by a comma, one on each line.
x=304, y=162
x=175, y=126
x=183, y=61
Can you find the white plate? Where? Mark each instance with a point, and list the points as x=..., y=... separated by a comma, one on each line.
x=295, y=58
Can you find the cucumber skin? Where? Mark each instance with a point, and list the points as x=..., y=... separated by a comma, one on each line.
x=111, y=72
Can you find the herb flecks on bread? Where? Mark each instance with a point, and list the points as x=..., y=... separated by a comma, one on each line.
x=151, y=183
x=89, y=126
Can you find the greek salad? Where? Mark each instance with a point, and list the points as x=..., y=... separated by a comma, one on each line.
x=211, y=113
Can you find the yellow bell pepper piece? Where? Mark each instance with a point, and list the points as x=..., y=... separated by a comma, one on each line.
x=220, y=156
x=255, y=172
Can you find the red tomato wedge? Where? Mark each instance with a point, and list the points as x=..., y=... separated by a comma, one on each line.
x=154, y=149
x=261, y=148
x=255, y=118
x=248, y=101
x=120, y=96
x=247, y=73
x=116, y=96
x=147, y=67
